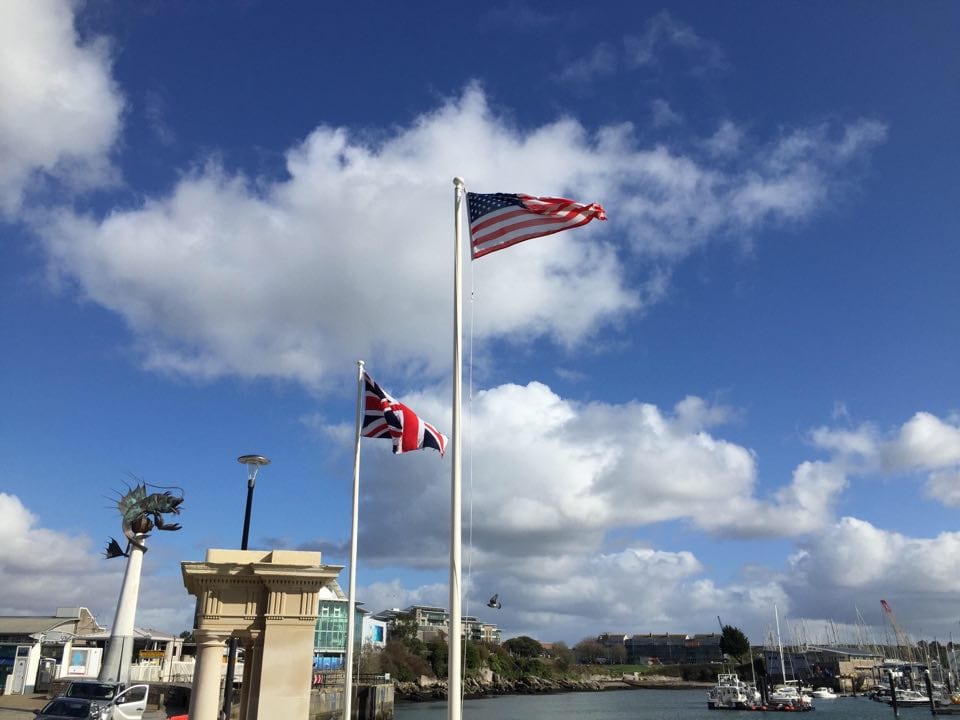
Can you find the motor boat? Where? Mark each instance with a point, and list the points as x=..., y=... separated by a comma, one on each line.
x=732, y=693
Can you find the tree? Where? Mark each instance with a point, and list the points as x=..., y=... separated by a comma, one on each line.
x=404, y=629
x=588, y=651
x=562, y=656
x=734, y=643
x=437, y=654
x=402, y=664
x=523, y=647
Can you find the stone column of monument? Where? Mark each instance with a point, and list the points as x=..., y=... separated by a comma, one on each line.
x=253, y=659
x=205, y=697
x=116, y=665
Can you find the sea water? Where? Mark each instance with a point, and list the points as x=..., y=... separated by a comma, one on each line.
x=641, y=704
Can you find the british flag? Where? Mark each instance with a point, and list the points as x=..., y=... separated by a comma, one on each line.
x=499, y=220
x=384, y=417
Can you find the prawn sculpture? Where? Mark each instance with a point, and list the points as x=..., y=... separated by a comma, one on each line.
x=141, y=513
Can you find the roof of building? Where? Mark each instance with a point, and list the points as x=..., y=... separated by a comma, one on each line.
x=845, y=650
x=138, y=633
x=32, y=624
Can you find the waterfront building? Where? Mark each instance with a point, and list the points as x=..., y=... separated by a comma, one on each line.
x=330, y=636
x=844, y=668
x=36, y=650
x=673, y=648
x=434, y=622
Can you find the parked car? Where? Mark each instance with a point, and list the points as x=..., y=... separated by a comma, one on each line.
x=62, y=708
x=92, y=689
x=108, y=701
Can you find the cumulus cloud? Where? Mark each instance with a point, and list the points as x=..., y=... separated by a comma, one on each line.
x=42, y=569
x=853, y=560
x=59, y=107
x=944, y=486
x=925, y=443
x=37, y=564
x=350, y=255
x=583, y=470
x=554, y=478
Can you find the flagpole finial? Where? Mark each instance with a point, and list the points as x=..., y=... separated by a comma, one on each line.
x=458, y=181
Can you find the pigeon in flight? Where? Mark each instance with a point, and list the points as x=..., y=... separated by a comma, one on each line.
x=494, y=602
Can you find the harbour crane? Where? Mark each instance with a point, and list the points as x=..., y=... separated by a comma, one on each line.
x=903, y=640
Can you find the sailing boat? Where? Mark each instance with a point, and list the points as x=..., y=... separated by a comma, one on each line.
x=788, y=693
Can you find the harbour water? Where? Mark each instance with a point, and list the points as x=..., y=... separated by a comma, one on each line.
x=640, y=705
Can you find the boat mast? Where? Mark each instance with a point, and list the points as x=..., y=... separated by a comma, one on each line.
x=783, y=668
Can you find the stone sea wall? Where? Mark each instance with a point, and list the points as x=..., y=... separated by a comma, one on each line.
x=432, y=689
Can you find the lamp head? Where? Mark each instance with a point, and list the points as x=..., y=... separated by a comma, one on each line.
x=253, y=463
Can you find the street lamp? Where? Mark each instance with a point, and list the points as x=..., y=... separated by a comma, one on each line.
x=253, y=463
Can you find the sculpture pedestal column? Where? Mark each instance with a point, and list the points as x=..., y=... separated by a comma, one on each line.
x=116, y=665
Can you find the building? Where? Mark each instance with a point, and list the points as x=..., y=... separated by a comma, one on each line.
x=673, y=648
x=330, y=644
x=35, y=650
x=434, y=622
x=848, y=669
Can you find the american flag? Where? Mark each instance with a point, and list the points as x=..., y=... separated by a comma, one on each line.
x=384, y=417
x=499, y=220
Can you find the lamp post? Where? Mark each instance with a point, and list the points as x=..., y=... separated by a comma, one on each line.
x=253, y=463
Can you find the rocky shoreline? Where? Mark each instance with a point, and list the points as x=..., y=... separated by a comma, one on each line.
x=427, y=689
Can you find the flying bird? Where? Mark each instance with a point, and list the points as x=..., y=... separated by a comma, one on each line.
x=494, y=602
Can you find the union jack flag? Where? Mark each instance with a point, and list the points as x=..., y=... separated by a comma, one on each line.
x=500, y=220
x=384, y=417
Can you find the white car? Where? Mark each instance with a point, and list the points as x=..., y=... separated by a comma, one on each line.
x=106, y=703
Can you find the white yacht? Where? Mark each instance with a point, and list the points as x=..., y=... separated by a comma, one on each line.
x=732, y=693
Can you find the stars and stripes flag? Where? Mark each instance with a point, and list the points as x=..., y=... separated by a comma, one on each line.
x=384, y=417
x=499, y=220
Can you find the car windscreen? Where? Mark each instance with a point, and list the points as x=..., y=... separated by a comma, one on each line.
x=68, y=708
x=92, y=691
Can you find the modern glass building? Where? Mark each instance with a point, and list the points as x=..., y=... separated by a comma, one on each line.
x=330, y=635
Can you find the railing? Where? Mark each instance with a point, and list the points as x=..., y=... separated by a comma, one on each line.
x=337, y=678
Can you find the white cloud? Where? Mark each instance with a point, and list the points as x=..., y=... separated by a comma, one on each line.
x=663, y=115
x=601, y=61
x=550, y=479
x=853, y=560
x=43, y=569
x=350, y=256
x=555, y=477
x=726, y=141
x=664, y=33
x=944, y=486
x=59, y=107
x=923, y=443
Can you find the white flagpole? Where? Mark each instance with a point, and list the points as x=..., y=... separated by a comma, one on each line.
x=454, y=692
x=352, y=590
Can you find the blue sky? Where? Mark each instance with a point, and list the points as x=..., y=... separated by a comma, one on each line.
x=738, y=392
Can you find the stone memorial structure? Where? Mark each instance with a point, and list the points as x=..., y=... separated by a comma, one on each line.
x=268, y=599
